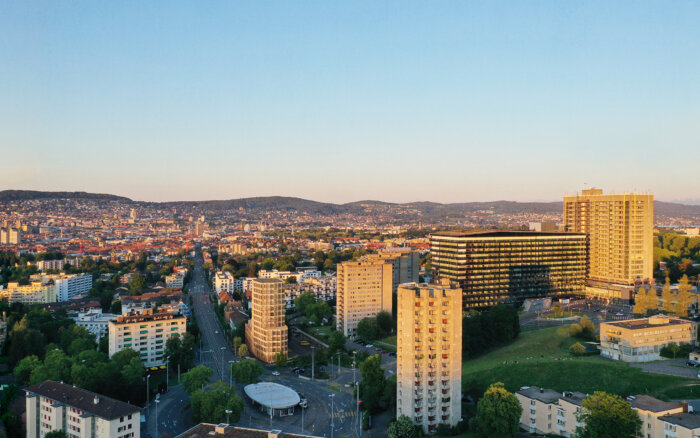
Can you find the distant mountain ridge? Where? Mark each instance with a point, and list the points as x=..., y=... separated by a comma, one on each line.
x=426, y=208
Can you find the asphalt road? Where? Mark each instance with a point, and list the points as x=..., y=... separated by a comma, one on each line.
x=215, y=351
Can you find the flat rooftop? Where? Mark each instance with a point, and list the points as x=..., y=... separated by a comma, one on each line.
x=645, y=323
x=541, y=394
x=205, y=430
x=498, y=233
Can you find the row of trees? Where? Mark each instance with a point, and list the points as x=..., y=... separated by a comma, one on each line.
x=679, y=252
x=497, y=326
x=678, y=304
x=376, y=327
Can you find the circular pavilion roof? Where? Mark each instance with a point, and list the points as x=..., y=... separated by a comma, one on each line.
x=272, y=395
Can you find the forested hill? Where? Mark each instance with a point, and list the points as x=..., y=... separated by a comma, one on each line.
x=26, y=195
x=285, y=203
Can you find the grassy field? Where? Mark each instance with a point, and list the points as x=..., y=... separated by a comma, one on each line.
x=539, y=358
x=391, y=340
x=388, y=343
x=321, y=332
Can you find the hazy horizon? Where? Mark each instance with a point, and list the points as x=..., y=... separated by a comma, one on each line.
x=339, y=102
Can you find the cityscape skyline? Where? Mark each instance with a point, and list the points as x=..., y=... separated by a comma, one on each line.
x=405, y=102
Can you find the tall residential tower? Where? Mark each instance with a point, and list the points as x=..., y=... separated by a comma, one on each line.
x=620, y=230
x=429, y=359
x=266, y=333
x=364, y=290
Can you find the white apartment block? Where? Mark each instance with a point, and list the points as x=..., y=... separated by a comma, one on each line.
x=546, y=411
x=79, y=413
x=45, y=265
x=364, y=290
x=145, y=332
x=429, y=358
x=70, y=286
x=95, y=322
x=224, y=281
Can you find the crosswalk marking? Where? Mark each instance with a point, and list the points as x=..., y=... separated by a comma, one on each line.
x=344, y=414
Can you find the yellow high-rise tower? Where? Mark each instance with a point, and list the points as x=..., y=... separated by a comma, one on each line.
x=620, y=230
x=364, y=290
x=266, y=333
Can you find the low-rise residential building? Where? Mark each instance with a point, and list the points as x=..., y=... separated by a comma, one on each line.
x=146, y=333
x=641, y=340
x=550, y=412
x=175, y=280
x=79, y=413
x=546, y=411
x=650, y=409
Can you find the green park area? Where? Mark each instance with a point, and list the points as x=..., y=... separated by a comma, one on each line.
x=323, y=332
x=541, y=358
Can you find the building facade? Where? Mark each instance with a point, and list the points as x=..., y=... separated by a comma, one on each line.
x=363, y=290
x=79, y=413
x=496, y=267
x=71, y=286
x=95, y=322
x=34, y=293
x=641, y=340
x=266, y=333
x=620, y=230
x=146, y=333
x=550, y=412
x=429, y=357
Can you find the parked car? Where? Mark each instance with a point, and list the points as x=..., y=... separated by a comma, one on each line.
x=369, y=346
x=275, y=373
x=384, y=352
x=692, y=363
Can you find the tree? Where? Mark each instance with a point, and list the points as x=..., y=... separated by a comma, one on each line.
x=291, y=280
x=667, y=298
x=303, y=301
x=56, y=434
x=24, y=368
x=243, y=351
x=645, y=301
x=280, y=359
x=247, y=371
x=237, y=342
x=385, y=322
x=196, y=378
x=608, y=416
x=336, y=341
x=372, y=383
x=402, y=428
x=577, y=349
x=588, y=328
x=368, y=329
x=211, y=406
x=137, y=284
x=684, y=299
x=497, y=413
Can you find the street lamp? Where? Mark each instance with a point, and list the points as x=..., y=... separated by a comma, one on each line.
x=148, y=393
x=228, y=412
x=313, y=350
x=157, y=401
x=230, y=372
x=221, y=358
x=332, y=396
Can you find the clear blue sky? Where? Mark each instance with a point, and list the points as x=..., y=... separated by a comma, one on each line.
x=341, y=101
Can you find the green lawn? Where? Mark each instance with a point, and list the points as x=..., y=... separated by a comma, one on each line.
x=321, y=332
x=538, y=358
x=391, y=340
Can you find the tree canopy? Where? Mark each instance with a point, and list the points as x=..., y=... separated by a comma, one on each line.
x=608, y=416
x=497, y=413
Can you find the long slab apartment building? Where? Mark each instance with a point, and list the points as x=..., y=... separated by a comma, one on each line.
x=494, y=267
x=146, y=333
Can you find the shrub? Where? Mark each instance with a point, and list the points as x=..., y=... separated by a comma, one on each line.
x=577, y=349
